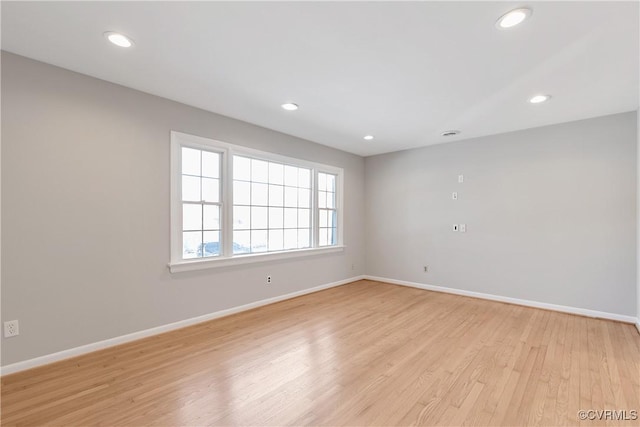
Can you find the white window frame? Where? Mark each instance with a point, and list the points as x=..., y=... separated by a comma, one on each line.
x=226, y=257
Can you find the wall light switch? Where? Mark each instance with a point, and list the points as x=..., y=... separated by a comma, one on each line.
x=455, y=227
x=460, y=179
x=463, y=228
x=454, y=196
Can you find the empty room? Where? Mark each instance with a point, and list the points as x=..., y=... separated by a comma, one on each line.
x=312, y=213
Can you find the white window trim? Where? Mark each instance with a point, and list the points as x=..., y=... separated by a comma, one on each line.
x=227, y=151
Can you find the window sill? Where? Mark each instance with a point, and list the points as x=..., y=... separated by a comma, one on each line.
x=178, y=267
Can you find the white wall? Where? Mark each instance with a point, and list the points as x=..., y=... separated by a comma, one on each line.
x=85, y=212
x=550, y=214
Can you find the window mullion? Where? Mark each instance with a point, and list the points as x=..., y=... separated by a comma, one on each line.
x=202, y=209
x=226, y=213
x=202, y=245
x=314, y=210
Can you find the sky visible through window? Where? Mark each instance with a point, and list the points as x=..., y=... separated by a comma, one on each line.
x=271, y=206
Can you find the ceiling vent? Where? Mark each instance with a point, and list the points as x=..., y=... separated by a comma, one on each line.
x=450, y=132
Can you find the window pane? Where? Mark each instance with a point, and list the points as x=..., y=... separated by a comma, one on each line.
x=259, y=171
x=290, y=197
x=211, y=244
x=322, y=237
x=241, y=168
x=191, y=241
x=210, y=164
x=210, y=190
x=241, y=193
x=275, y=240
x=331, y=197
x=304, y=218
x=241, y=217
x=276, y=195
x=331, y=183
x=333, y=236
x=290, y=218
x=322, y=199
x=276, y=173
x=323, y=220
x=322, y=181
x=304, y=198
x=303, y=237
x=259, y=194
x=290, y=239
x=211, y=220
x=259, y=241
x=331, y=218
x=190, y=189
x=191, y=217
x=276, y=217
x=190, y=161
x=291, y=176
x=241, y=242
x=258, y=218
x=304, y=178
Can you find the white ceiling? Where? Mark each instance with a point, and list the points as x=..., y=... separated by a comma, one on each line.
x=402, y=71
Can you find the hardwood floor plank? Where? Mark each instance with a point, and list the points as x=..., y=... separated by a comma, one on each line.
x=366, y=353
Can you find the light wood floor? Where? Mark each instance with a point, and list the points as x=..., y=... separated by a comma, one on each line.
x=366, y=353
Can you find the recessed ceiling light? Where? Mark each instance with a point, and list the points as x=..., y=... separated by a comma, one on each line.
x=450, y=132
x=118, y=39
x=368, y=137
x=513, y=18
x=539, y=98
x=290, y=106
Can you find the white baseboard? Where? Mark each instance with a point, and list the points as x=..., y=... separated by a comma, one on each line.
x=528, y=303
x=88, y=348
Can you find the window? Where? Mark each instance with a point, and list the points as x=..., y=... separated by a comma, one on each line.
x=201, y=205
x=232, y=204
x=327, y=212
x=271, y=206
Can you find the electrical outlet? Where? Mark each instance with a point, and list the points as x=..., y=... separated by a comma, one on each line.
x=463, y=228
x=268, y=279
x=11, y=328
x=353, y=266
x=426, y=268
x=460, y=179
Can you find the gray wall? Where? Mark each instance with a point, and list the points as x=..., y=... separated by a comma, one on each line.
x=550, y=214
x=85, y=212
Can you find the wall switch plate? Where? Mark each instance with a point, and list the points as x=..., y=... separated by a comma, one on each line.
x=455, y=227
x=460, y=179
x=463, y=228
x=454, y=195
x=11, y=328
